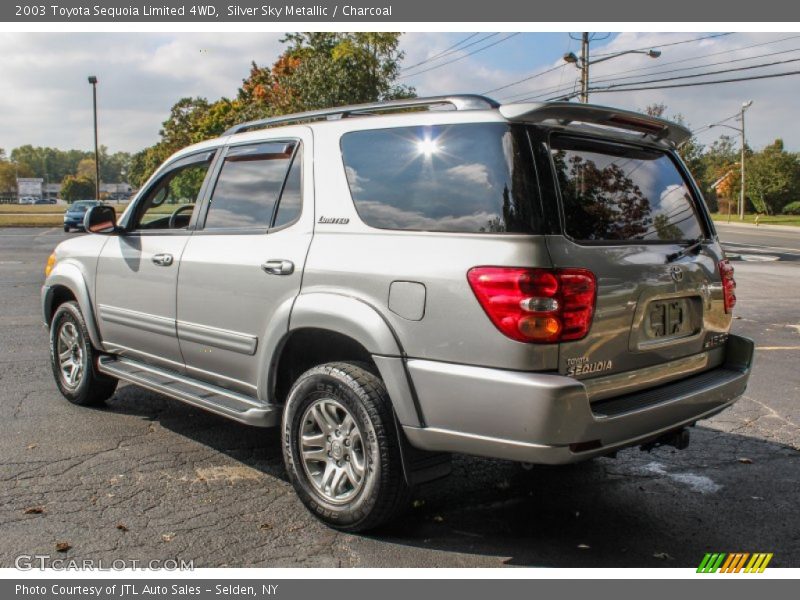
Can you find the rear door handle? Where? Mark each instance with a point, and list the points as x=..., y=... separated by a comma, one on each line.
x=162, y=260
x=278, y=266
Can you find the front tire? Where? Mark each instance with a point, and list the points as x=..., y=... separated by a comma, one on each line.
x=66, y=228
x=72, y=358
x=341, y=449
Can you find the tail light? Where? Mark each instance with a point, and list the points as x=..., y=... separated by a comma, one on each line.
x=728, y=285
x=536, y=305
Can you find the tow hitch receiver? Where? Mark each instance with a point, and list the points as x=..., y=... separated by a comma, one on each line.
x=678, y=439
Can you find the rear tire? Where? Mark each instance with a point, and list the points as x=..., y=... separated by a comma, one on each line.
x=341, y=449
x=72, y=358
x=66, y=229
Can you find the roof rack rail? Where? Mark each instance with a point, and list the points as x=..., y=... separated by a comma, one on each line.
x=458, y=102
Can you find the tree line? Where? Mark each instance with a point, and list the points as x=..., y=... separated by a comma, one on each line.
x=61, y=166
x=772, y=175
x=324, y=69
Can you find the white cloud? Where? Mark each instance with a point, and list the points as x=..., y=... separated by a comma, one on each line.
x=772, y=115
x=47, y=100
x=473, y=173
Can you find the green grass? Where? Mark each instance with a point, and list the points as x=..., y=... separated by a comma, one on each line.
x=51, y=215
x=32, y=208
x=764, y=220
x=31, y=220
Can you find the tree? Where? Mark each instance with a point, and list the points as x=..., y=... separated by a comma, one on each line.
x=145, y=162
x=336, y=68
x=8, y=175
x=773, y=178
x=317, y=70
x=85, y=169
x=77, y=188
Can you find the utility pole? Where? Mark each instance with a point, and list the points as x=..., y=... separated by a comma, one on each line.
x=584, y=67
x=745, y=106
x=93, y=81
x=583, y=63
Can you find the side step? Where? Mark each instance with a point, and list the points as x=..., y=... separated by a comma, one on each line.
x=200, y=394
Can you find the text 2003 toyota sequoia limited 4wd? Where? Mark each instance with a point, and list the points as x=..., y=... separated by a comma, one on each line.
x=395, y=282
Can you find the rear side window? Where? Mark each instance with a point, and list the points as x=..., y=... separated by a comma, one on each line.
x=473, y=178
x=614, y=192
x=248, y=186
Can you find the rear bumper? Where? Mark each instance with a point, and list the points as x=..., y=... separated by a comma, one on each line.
x=539, y=418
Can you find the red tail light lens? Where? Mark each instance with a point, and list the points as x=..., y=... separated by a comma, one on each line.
x=728, y=285
x=536, y=305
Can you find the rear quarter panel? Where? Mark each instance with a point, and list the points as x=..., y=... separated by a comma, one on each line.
x=351, y=258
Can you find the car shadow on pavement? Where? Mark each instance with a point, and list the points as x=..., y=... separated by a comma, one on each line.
x=726, y=493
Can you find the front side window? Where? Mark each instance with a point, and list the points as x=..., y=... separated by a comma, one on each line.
x=615, y=192
x=248, y=187
x=169, y=204
x=472, y=178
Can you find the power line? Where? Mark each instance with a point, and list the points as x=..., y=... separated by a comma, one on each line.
x=451, y=49
x=612, y=76
x=697, y=39
x=718, y=72
x=481, y=49
x=697, y=83
x=713, y=64
x=534, y=76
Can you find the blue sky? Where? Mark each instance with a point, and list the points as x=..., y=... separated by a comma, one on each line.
x=142, y=74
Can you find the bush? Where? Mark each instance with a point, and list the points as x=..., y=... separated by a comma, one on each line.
x=793, y=208
x=77, y=188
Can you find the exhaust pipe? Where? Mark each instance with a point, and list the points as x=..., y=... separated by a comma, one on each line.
x=678, y=439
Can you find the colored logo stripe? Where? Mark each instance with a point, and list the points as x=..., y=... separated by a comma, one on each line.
x=734, y=562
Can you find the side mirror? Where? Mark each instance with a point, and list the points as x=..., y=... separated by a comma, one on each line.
x=100, y=219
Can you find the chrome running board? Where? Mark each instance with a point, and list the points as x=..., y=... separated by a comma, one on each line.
x=212, y=398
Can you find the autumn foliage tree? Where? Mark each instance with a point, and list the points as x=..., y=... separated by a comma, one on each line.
x=316, y=70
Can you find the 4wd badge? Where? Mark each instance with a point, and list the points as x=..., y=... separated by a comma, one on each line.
x=582, y=366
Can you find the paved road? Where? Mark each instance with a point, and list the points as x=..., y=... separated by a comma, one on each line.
x=186, y=484
x=756, y=243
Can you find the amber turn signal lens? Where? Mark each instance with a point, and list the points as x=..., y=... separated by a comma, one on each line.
x=51, y=262
x=540, y=328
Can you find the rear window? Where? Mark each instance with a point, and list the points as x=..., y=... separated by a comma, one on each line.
x=614, y=192
x=471, y=178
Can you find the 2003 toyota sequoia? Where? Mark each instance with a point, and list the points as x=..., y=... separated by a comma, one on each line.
x=395, y=282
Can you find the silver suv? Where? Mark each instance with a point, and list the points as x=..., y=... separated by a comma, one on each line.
x=395, y=282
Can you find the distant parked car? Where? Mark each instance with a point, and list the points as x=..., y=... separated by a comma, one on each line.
x=27, y=200
x=45, y=201
x=73, y=218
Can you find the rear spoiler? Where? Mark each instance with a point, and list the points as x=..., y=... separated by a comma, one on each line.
x=565, y=113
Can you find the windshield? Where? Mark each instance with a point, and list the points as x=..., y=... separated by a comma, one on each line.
x=83, y=205
x=615, y=192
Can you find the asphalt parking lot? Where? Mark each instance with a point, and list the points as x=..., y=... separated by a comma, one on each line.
x=150, y=478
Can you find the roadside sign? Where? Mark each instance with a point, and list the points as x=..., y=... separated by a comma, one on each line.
x=29, y=186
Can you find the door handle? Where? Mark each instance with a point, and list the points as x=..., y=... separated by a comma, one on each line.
x=278, y=266
x=162, y=260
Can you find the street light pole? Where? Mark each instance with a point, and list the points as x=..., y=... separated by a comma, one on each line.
x=93, y=81
x=583, y=63
x=745, y=106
